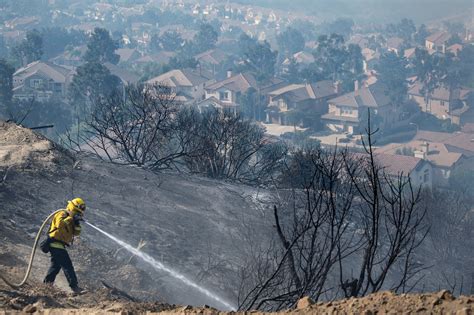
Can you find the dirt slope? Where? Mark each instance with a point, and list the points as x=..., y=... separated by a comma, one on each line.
x=190, y=223
x=43, y=300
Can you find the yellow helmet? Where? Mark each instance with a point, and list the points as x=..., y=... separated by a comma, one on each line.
x=77, y=204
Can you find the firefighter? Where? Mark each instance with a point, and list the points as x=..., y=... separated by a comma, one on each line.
x=65, y=226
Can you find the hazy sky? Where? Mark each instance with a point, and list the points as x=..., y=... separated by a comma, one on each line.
x=380, y=10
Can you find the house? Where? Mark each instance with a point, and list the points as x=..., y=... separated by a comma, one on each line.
x=462, y=115
x=128, y=55
x=211, y=59
x=306, y=99
x=437, y=41
x=420, y=171
x=348, y=112
x=163, y=57
x=41, y=81
x=188, y=84
x=371, y=58
x=442, y=102
x=359, y=40
x=73, y=57
x=454, y=49
x=300, y=58
x=272, y=17
x=395, y=44
x=410, y=53
x=458, y=142
x=126, y=77
x=87, y=28
x=226, y=94
x=22, y=23
x=443, y=160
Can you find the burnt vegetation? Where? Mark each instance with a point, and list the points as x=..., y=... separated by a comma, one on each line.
x=146, y=126
x=343, y=227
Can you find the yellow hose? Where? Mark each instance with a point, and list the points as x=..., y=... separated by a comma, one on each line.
x=30, y=264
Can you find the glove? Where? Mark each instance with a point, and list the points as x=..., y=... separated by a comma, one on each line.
x=77, y=219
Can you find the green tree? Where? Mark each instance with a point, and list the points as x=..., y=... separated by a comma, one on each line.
x=216, y=25
x=101, y=48
x=306, y=28
x=465, y=61
x=292, y=73
x=91, y=81
x=152, y=69
x=406, y=28
x=6, y=84
x=336, y=61
x=455, y=39
x=206, y=38
x=430, y=70
x=421, y=35
x=56, y=39
x=342, y=26
x=393, y=72
x=455, y=27
x=30, y=49
x=330, y=55
x=249, y=102
x=290, y=41
x=171, y=41
x=3, y=47
x=182, y=61
x=257, y=58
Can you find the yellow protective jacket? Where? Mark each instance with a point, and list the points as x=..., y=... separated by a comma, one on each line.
x=63, y=229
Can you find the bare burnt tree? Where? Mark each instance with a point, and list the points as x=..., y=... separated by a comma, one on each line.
x=136, y=127
x=345, y=212
x=391, y=219
x=449, y=242
x=18, y=114
x=228, y=146
x=309, y=233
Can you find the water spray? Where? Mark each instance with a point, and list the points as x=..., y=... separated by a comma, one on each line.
x=147, y=258
x=160, y=266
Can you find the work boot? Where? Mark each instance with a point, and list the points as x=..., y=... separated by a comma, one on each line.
x=78, y=291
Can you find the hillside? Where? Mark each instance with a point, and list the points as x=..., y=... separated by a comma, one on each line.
x=190, y=223
x=195, y=226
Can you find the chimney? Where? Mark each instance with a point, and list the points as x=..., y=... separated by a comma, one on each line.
x=356, y=85
x=425, y=148
x=229, y=73
x=420, y=154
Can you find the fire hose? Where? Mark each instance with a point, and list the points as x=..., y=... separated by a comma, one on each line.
x=32, y=256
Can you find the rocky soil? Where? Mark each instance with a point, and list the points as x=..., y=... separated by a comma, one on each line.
x=41, y=299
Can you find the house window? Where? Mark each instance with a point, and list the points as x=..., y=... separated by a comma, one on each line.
x=35, y=83
x=58, y=87
x=346, y=111
x=442, y=103
x=224, y=96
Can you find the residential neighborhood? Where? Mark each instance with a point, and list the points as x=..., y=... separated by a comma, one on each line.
x=237, y=156
x=282, y=70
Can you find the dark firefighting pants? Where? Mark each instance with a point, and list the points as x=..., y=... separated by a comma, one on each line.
x=60, y=259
